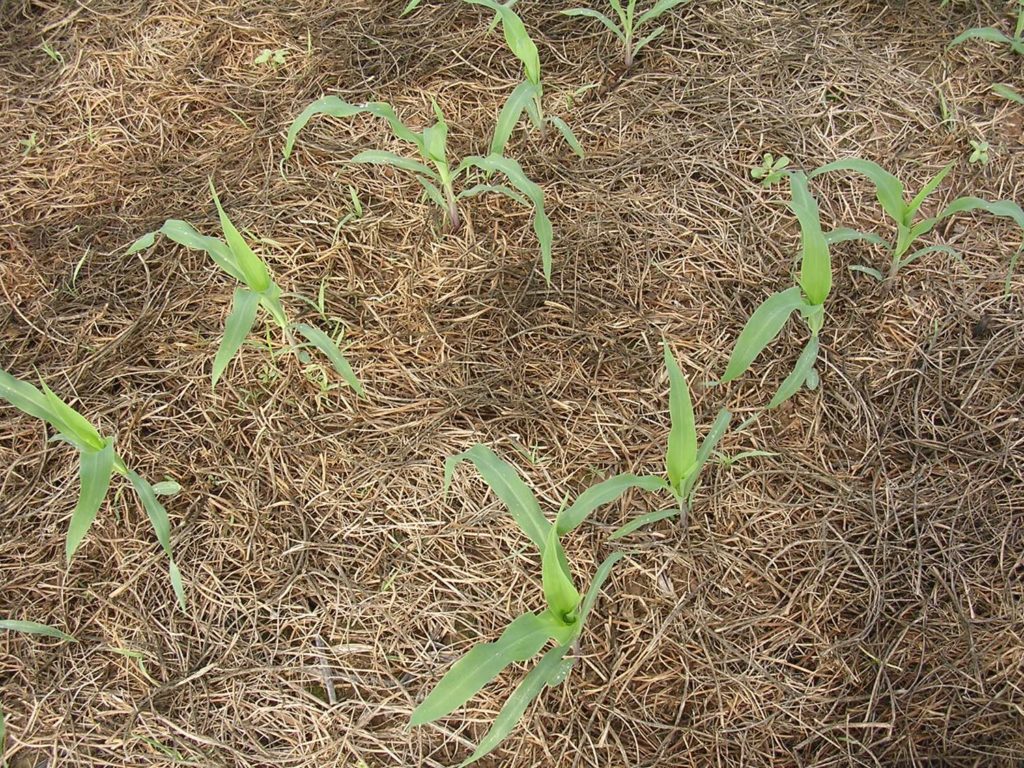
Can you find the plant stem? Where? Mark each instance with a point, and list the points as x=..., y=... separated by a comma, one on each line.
x=453, y=208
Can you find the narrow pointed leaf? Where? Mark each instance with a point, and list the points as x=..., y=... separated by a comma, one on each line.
x=591, y=14
x=871, y=271
x=73, y=424
x=521, y=640
x=517, y=38
x=888, y=188
x=762, y=327
x=641, y=521
x=1007, y=92
x=161, y=526
x=326, y=344
x=377, y=157
x=928, y=188
x=510, y=114
x=237, y=327
x=718, y=429
x=411, y=6
x=94, y=470
x=795, y=380
x=35, y=628
x=845, y=234
x=682, y=437
x=559, y=591
x=603, y=493
x=503, y=479
x=815, y=261
x=144, y=242
x=1004, y=208
x=501, y=189
x=252, y=267
x=989, y=34
x=661, y=7
x=947, y=249
x=600, y=577
x=644, y=41
x=26, y=398
x=185, y=234
x=433, y=193
x=328, y=105
x=567, y=134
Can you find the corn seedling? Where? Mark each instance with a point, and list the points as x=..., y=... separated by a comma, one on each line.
x=258, y=289
x=438, y=182
x=529, y=634
x=771, y=170
x=528, y=96
x=807, y=297
x=629, y=24
x=979, y=153
x=996, y=35
x=890, y=194
x=97, y=463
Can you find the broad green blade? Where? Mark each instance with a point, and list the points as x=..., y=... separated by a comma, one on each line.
x=326, y=344
x=795, y=380
x=25, y=398
x=517, y=38
x=35, y=628
x=167, y=488
x=515, y=706
x=184, y=233
x=989, y=34
x=1005, y=208
x=591, y=14
x=567, y=134
x=510, y=113
x=328, y=105
x=94, y=470
x=762, y=327
x=815, y=261
x=377, y=157
x=888, y=188
x=559, y=591
x=867, y=271
x=508, y=486
x=845, y=234
x=1004, y=90
x=641, y=521
x=718, y=429
x=600, y=577
x=521, y=640
x=255, y=271
x=144, y=242
x=682, y=437
x=237, y=327
x=411, y=6
x=398, y=128
x=928, y=188
x=73, y=424
x=501, y=189
x=435, y=139
x=920, y=229
x=161, y=526
x=603, y=493
x=647, y=39
x=662, y=6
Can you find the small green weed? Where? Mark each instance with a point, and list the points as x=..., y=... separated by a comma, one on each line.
x=996, y=35
x=771, y=170
x=979, y=153
x=630, y=24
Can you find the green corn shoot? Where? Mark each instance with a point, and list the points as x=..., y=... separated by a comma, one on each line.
x=807, y=297
x=528, y=96
x=433, y=170
x=890, y=193
x=629, y=24
x=996, y=35
x=258, y=289
x=98, y=462
x=528, y=635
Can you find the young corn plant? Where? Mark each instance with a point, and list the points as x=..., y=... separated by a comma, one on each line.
x=527, y=636
x=996, y=35
x=684, y=458
x=528, y=96
x=630, y=25
x=807, y=298
x=258, y=290
x=98, y=462
x=891, y=196
x=433, y=170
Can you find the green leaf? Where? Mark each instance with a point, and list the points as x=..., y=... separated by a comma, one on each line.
x=515, y=706
x=662, y=6
x=600, y=17
x=559, y=591
x=845, y=234
x=867, y=271
x=521, y=640
x=646, y=40
x=510, y=114
x=144, y=242
x=326, y=344
x=237, y=327
x=517, y=38
x=989, y=34
x=600, y=577
x=72, y=424
x=166, y=488
x=378, y=157
x=35, y=628
x=501, y=189
x=252, y=267
x=928, y=188
x=26, y=398
x=567, y=134
x=508, y=486
x=930, y=249
x=641, y=521
x=718, y=429
x=1004, y=208
x=433, y=193
x=94, y=470
x=682, y=437
x=410, y=7
x=795, y=380
x=815, y=262
x=1007, y=92
x=888, y=188
x=161, y=526
x=762, y=327
x=183, y=233
x=328, y=105
x=603, y=493
x=435, y=139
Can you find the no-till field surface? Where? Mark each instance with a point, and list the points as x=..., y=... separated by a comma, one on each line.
x=854, y=599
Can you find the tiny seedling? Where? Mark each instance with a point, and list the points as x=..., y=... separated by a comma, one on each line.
x=996, y=35
x=438, y=182
x=890, y=194
x=771, y=170
x=630, y=25
x=56, y=56
x=28, y=145
x=271, y=58
x=258, y=289
x=807, y=297
x=979, y=153
x=97, y=463
x=528, y=635
x=528, y=96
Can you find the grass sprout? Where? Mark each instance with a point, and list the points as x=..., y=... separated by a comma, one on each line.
x=629, y=24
